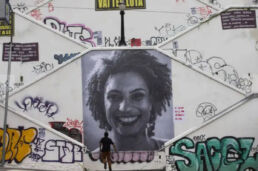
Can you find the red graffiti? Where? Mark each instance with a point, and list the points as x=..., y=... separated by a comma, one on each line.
x=135, y=42
x=179, y=113
x=73, y=124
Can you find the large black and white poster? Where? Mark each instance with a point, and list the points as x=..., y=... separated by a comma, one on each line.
x=129, y=94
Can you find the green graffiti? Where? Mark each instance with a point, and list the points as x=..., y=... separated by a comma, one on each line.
x=226, y=154
x=214, y=146
x=189, y=156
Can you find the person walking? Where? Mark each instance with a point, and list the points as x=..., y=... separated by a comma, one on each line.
x=105, y=144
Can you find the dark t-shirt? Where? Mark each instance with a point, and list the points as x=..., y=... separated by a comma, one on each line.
x=106, y=142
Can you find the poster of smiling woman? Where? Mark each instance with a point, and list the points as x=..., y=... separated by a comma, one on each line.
x=129, y=94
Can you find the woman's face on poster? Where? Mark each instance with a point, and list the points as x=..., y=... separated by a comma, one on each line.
x=127, y=103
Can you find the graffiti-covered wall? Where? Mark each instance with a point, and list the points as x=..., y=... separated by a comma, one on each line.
x=34, y=145
x=102, y=28
x=36, y=52
x=227, y=148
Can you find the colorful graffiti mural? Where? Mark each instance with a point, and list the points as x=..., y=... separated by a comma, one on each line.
x=17, y=143
x=227, y=153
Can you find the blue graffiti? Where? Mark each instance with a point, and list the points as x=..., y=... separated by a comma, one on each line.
x=62, y=58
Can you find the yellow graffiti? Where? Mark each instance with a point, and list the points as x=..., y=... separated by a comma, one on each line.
x=17, y=143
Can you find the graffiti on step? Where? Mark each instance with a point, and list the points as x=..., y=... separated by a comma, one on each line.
x=43, y=67
x=217, y=66
x=11, y=88
x=227, y=153
x=37, y=14
x=77, y=31
x=64, y=57
x=21, y=6
x=38, y=103
x=18, y=142
x=206, y=111
x=114, y=41
x=60, y=151
x=169, y=30
x=199, y=138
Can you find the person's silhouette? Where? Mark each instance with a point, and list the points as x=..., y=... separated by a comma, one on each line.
x=105, y=143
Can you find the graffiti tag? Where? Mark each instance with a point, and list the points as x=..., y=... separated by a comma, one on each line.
x=21, y=7
x=216, y=66
x=228, y=153
x=42, y=67
x=206, y=111
x=36, y=14
x=169, y=30
x=47, y=107
x=17, y=143
x=62, y=58
x=76, y=31
x=69, y=124
x=62, y=151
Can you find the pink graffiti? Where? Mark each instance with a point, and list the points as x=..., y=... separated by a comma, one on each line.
x=36, y=14
x=73, y=124
x=127, y=156
x=50, y=7
x=204, y=11
x=76, y=31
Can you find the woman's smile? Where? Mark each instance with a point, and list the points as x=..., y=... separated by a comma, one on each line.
x=127, y=120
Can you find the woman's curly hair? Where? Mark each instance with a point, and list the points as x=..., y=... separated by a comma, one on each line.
x=155, y=74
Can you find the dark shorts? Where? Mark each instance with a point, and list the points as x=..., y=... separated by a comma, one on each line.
x=105, y=155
